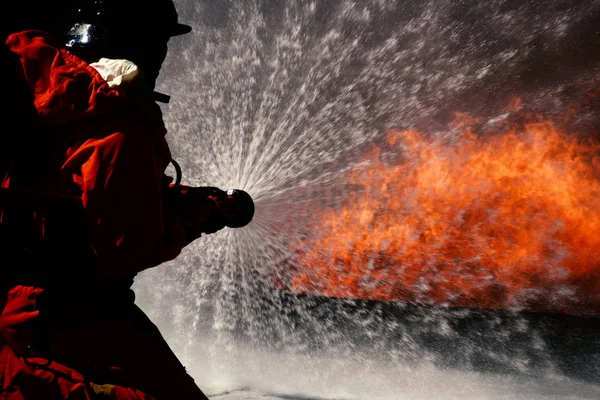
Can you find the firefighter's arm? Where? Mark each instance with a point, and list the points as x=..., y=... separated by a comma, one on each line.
x=119, y=177
x=132, y=225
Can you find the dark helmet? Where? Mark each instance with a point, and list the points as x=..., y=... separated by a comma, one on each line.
x=85, y=23
x=136, y=30
x=118, y=23
x=239, y=208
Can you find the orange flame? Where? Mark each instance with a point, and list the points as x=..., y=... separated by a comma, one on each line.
x=486, y=220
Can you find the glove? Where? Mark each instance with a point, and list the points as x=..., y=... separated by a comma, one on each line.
x=197, y=207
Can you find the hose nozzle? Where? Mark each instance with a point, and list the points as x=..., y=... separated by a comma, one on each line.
x=238, y=208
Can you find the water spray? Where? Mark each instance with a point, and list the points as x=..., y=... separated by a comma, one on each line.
x=286, y=101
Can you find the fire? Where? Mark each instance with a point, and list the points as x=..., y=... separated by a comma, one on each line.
x=486, y=219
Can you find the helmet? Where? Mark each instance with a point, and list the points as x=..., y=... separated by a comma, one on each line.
x=238, y=207
x=136, y=30
x=86, y=23
x=110, y=22
x=117, y=23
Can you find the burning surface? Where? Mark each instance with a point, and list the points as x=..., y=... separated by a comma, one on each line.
x=495, y=214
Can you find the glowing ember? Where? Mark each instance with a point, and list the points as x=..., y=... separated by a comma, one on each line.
x=494, y=220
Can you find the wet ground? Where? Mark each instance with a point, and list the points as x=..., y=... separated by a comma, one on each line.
x=271, y=376
x=535, y=392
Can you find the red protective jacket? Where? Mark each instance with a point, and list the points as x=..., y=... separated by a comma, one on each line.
x=108, y=148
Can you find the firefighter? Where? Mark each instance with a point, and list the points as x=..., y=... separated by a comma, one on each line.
x=85, y=204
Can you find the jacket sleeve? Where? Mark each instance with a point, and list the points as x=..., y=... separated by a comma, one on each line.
x=133, y=224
